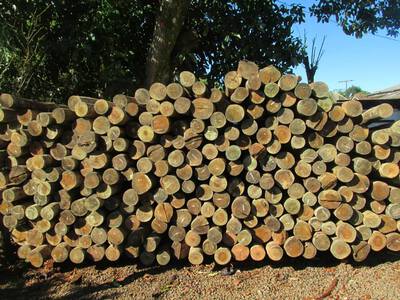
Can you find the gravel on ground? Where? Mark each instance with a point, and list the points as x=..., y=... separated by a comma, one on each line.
x=322, y=278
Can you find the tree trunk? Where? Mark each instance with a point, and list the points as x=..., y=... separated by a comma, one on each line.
x=166, y=31
x=310, y=70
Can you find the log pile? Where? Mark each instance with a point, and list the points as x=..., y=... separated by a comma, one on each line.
x=265, y=168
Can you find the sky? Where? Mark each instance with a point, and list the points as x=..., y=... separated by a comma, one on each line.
x=373, y=62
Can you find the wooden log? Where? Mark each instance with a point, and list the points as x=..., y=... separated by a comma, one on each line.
x=142, y=96
x=132, y=109
x=320, y=89
x=309, y=250
x=393, y=241
x=352, y=108
x=117, y=116
x=200, y=225
x=122, y=100
x=247, y=69
x=234, y=113
x=346, y=125
x=15, y=102
x=340, y=249
x=163, y=256
x=25, y=116
x=303, y=91
x=360, y=251
x=13, y=194
x=346, y=232
x=183, y=217
x=274, y=251
x=394, y=196
x=392, y=210
x=63, y=115
x=253, y=83
x=222, y=256
x=293, y=247
x=182, y=105
x=389, y=170
x=273, y=105
x=377, y=241
x=309, y=199
x=257, y=252
x=359, y=133
x=240, y=252
x=232, y=80
x=239, y=94
x=342, y=160
x=307, y=107
x=195, y=255
x=329, y=198
x=38, y=255
x=382, y=111
x=187, y=79
x=284, y=178
x=302, y=230
x=158, y=91
x=175, y=90
x=321, y=241
x=337, y=113
x=269, y=74
x=371, y=219
x=288, y=82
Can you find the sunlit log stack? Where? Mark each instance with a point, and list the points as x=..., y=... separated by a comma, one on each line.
x=264, y=169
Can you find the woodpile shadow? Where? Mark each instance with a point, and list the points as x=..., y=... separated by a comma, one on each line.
x=21, y=274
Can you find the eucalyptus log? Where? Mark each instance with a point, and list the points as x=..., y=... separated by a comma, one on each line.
x=267, y=166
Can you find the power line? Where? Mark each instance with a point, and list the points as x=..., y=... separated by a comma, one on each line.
x=346, y=81
x=386, y=37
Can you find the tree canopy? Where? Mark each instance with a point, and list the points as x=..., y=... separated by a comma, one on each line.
x=353, y=90
x=57, y=48
x=52, y=49
x=358, y=17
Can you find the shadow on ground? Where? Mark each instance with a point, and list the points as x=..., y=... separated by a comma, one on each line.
x=20, y=281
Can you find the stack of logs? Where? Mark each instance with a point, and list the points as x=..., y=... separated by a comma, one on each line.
x=267, y=167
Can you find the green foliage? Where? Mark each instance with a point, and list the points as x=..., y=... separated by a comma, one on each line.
x=52, y=49
x=88, y=47
x=358, y=17
x=20, y=53
x=99, y=47
x=223, y=32
x=352, y=90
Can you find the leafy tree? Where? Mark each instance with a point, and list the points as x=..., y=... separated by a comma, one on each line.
x=92, y=47
x=98, y=48
x=353, y=90
x=358, y=17
x=216, y=34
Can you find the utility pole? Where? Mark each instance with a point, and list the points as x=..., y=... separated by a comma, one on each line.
x=346, y=81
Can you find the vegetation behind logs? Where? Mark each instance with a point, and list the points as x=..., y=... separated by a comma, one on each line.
x=267, y=168
x=50, y=49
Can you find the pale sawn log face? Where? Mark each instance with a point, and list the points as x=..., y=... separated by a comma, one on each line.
x=265, y=168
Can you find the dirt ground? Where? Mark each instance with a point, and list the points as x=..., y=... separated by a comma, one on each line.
x=322, y=278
